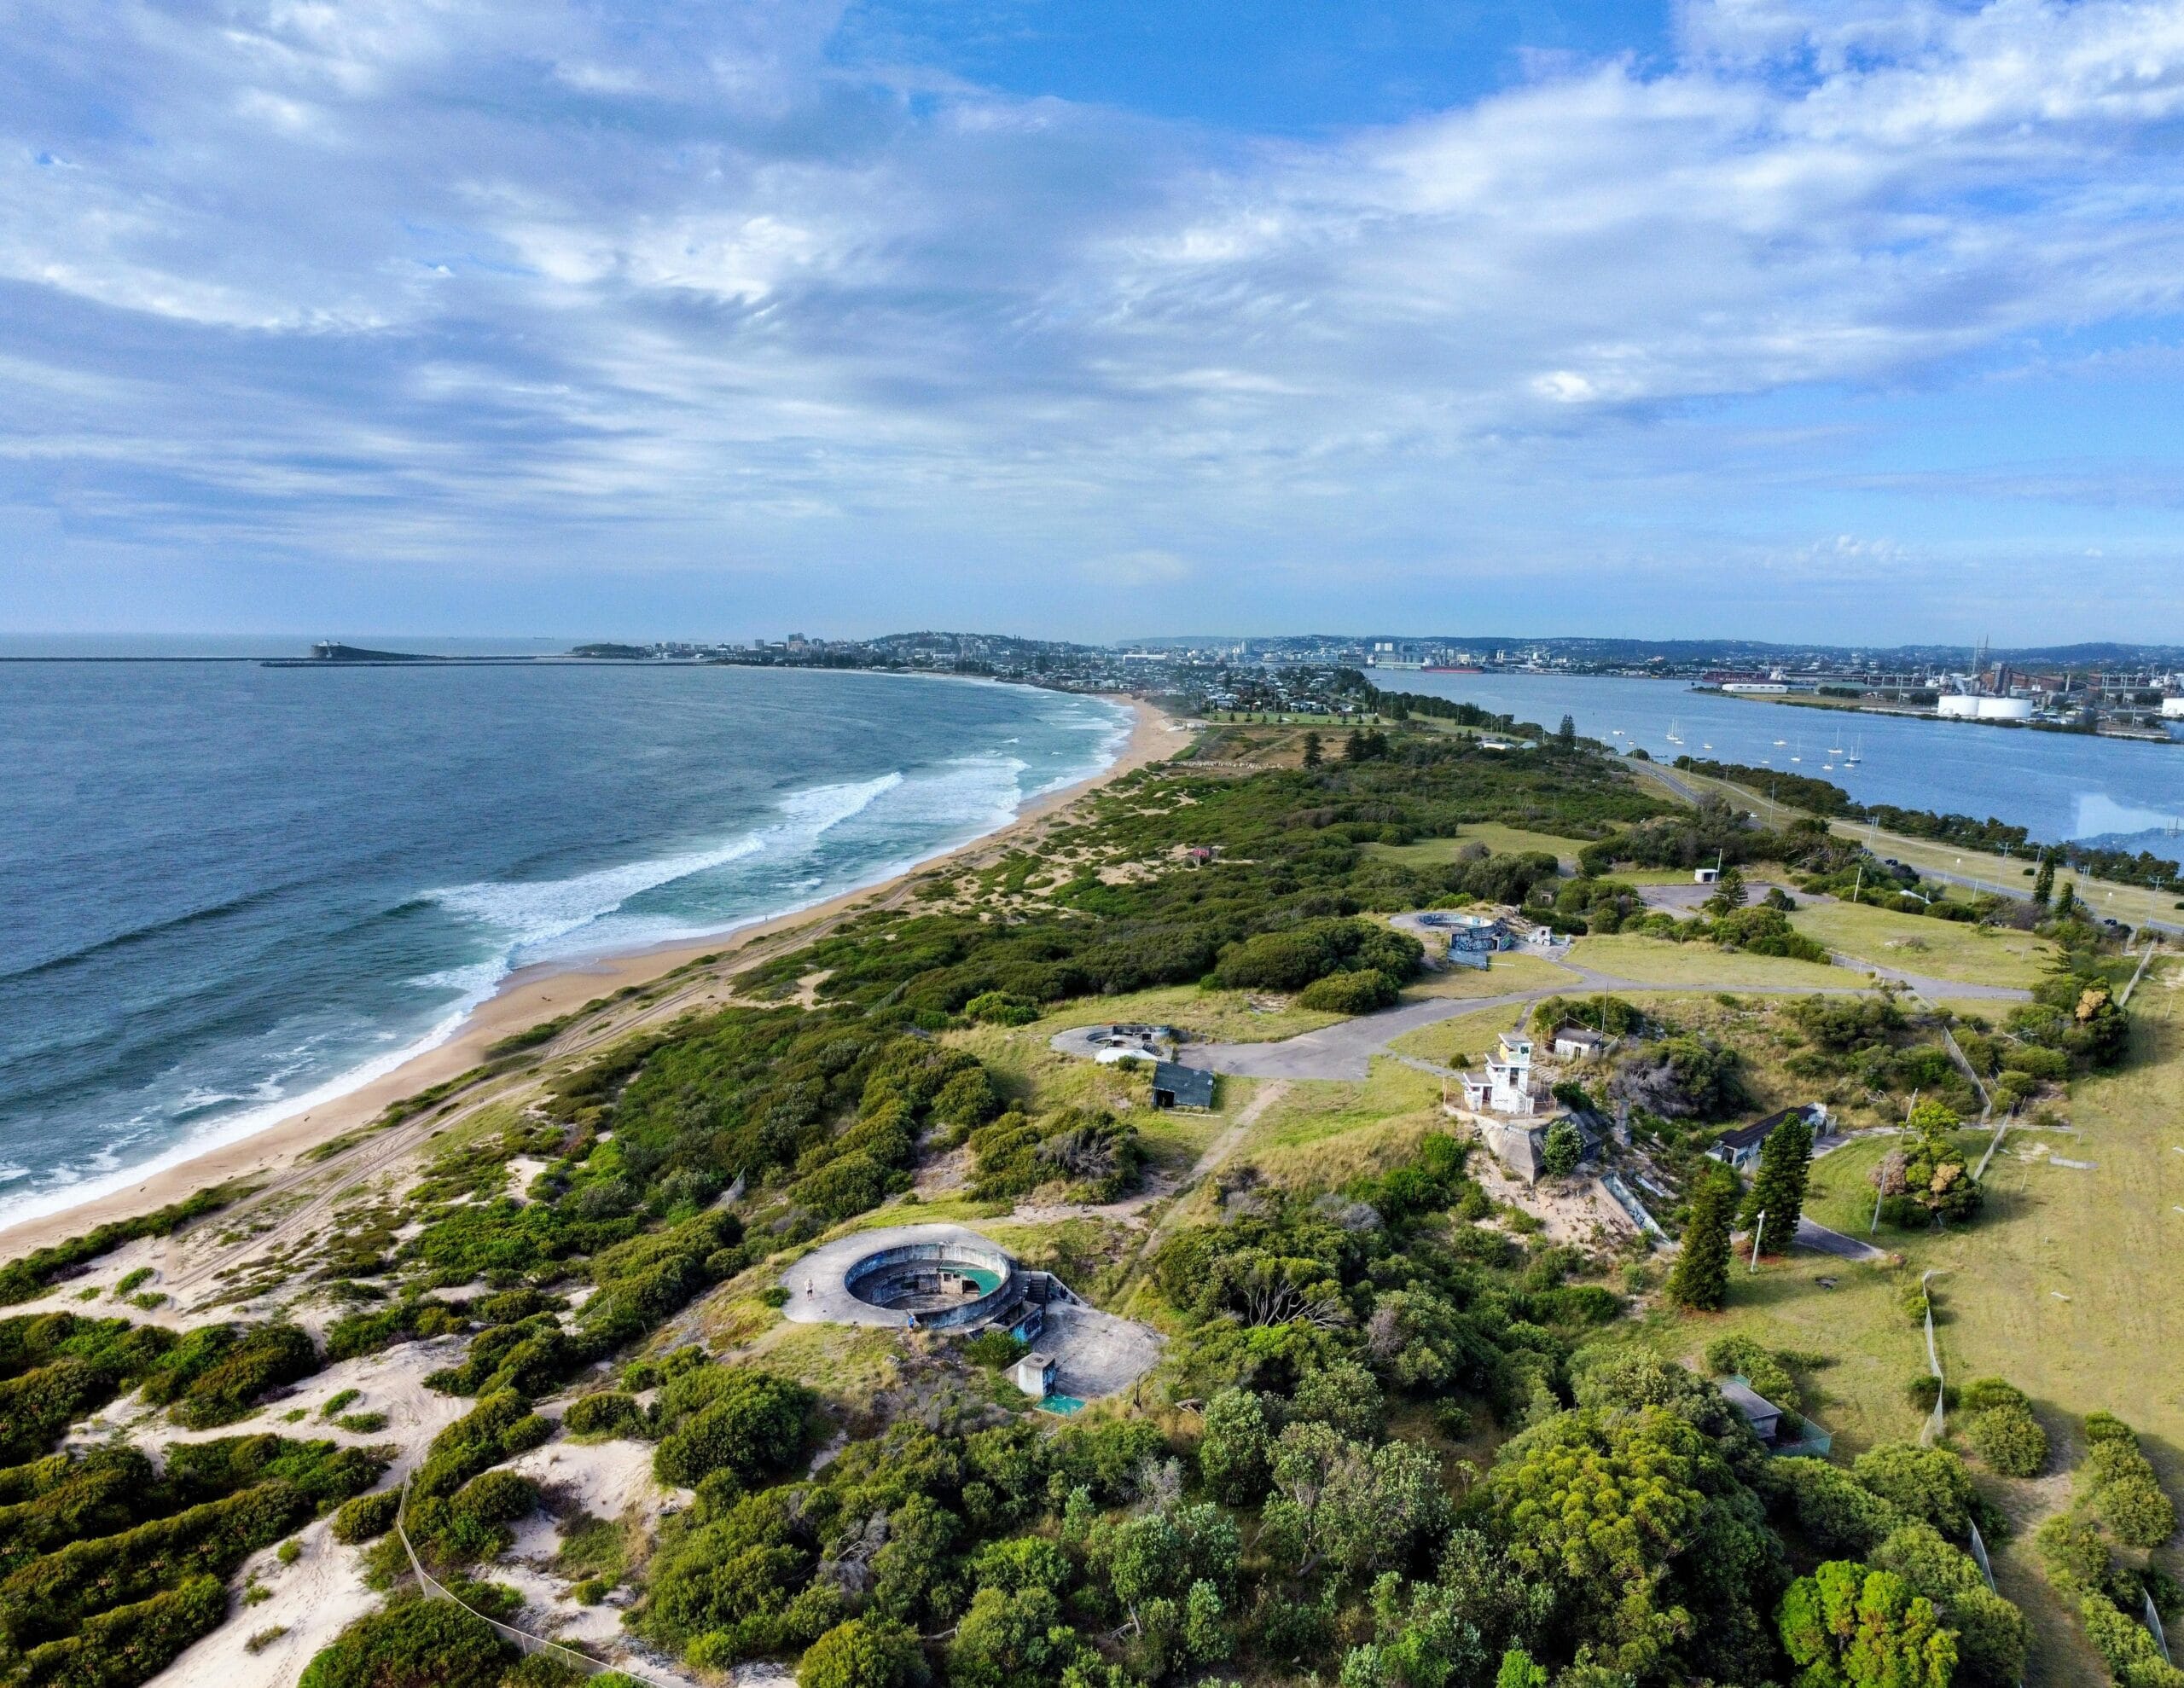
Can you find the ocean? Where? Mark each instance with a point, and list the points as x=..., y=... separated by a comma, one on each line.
x=230, y=892
x=2058, y=786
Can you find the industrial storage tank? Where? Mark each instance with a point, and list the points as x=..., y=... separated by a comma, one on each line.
x=2004, y=709
x=1955, y=708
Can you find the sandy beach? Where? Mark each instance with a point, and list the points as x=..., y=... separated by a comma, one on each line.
x=537, y=994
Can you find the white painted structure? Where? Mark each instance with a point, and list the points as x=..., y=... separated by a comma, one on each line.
x=2172, y=709
x=1507, y=1085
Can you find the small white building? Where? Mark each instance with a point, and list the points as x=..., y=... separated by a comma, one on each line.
x=1705, y=876
x=1034, y=1374
x=1581, y=1043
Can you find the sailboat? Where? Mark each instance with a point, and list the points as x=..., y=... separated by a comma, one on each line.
x=1799, y=755
x=1857, y=754
x=1675, y=735
x=1779, y=743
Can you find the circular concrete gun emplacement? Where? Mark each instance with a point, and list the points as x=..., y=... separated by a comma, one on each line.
x=947, y=1278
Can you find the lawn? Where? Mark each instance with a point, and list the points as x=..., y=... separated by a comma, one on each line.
x=1657, y=961
x=1501, y=839
x=1466, y=1038
x=1917, y=943
x=1321, y=1134
x=1512, y=971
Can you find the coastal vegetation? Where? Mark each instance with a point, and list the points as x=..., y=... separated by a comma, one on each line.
x=1411, y=1424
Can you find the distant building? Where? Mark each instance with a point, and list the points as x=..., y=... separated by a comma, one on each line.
x=1705, y=876
x=1181, y=1087
x=1581, y=1043
x=1740, y=1148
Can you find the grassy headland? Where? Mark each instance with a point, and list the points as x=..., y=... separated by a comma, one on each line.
x=555, y=1295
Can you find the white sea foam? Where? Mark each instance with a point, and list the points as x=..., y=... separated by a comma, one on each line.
x=920, y=816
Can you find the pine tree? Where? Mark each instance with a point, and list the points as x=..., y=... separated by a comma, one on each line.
x=1778, y=1192
x=2066, y=900
x=1312, y=757
x=2043, y=886
x=1701, y=1278
x=1567, y=734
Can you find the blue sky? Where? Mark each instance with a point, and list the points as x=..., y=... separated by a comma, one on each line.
x=1848, y=320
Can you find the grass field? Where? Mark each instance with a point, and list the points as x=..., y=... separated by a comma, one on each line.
x=1501, y=839
x=1511, y=972
x=1467, y=1036
x=1657, y=961
x=1940, y=949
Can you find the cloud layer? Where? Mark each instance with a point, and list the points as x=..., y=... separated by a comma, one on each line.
x=603, y=311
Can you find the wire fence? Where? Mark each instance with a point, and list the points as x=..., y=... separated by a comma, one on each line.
x=524, y=1639
x=2154, y=1623
x=1939, y=1422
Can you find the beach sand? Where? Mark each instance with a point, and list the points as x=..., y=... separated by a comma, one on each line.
x=542, y=993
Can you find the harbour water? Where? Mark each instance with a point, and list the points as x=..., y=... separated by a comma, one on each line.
x=228, y=891
x=2059, y=786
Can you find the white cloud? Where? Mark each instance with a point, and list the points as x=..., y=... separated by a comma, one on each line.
x=488, y=274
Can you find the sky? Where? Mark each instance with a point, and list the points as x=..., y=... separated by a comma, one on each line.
x=1839, y=321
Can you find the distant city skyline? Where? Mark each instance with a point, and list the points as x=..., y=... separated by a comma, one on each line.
x=1854, y=323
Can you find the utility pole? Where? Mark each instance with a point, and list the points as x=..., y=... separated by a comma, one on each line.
x=1758, y=1229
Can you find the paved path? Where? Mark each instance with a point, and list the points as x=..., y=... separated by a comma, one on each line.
x=1825, y=1241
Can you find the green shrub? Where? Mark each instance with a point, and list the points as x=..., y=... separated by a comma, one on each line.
x=1926, y=1482
x=864, y=1653
x=2010, y=1440
x=2137, y=1510
x=736, y=1419
x=1350, y=993
x=54, y=1593
x=216, y=1375
x=608, y=1413
x=367, y=1517
x=995, y=1350
x=413, y=1643
x=128, y=1644
x=2072, y=1554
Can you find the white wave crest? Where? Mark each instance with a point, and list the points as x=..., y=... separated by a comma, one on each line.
x=533, y=914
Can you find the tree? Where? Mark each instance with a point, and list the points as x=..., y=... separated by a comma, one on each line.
x=1518, y=1671
x=1565, y=735
x=1850, y=1627
x=864, y=1653
x=1701, y=1278
x=1778, y=1192
x=1924, y=1482
x=1313, y=755
x=1559, y=1154
x=2043, y=885
x=1730, y=893
x=1233, y=1455
x=1930, y=1172
x=2066, y=900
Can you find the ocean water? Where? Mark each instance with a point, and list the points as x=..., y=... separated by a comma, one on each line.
x=2059, y=786
x=228, y=892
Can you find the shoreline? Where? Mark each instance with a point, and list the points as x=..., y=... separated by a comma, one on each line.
x=524, y=999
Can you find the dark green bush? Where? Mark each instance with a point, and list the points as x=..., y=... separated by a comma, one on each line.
x=737, y=1420
x=608, y=1413
x=367, y=1517
x=130, y=1643
x=413, y=1644
x=1349, y=992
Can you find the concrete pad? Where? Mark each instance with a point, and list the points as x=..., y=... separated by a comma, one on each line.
x=1096, y=1353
